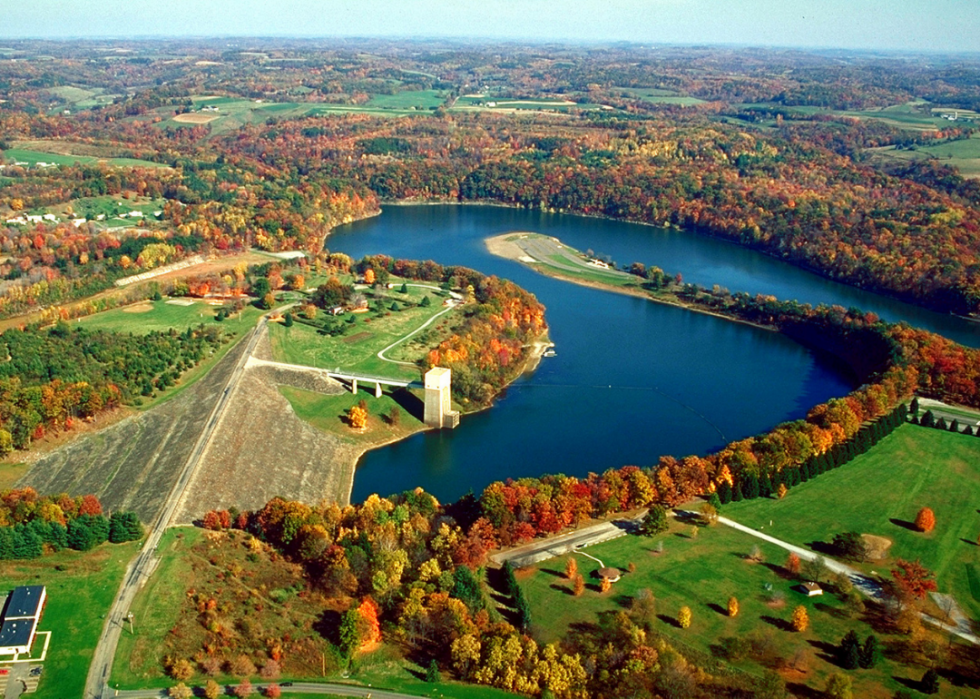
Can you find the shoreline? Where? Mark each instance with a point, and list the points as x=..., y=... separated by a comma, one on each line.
x=531, y=362
x=500, y=246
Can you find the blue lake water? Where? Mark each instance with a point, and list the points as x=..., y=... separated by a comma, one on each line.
x=632, y=380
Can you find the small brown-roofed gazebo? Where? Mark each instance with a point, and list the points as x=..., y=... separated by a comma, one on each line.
x=610, y=574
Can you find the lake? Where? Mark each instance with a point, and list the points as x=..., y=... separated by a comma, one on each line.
x=632, y=380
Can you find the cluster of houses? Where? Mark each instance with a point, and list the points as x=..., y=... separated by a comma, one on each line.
x=30, y=219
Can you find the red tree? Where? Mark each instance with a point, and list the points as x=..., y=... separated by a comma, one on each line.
x=913, y=580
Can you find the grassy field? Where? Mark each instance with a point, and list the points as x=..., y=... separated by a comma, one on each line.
x=327, y=413
x=357, y=349
x=79, y=595
x=655, y=96
x=963, y=154
x=159, y=315
x=420, y=99
x=32, y=157
x=110, y=207
x=880, y=492
x=702, y=573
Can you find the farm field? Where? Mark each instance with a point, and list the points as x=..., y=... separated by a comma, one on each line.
x=80, y=588
x=880, y=493
x=963, y=154
x=702, y=573
x=32, y=157
x=475, y=102
x=656, y=96
x=110, y=208
x=420, y=99
x=365, y=335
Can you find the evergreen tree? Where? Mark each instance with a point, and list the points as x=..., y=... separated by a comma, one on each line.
x=968, y=431
x=509, y=580
x=737, y=492
x=432, y=672
x=870, y=652
x=750, y=486
x=287, y=320
x=913, y=406
x=404, y=288
x=124, y=526
x=927, y=419
x=849, y=651
x=466, y=588
x=714, y=500
x=426, y=302
x=523, y=613
x=954, y=426
x=765, y=486
x=930, y=682
x=724, y=492
x=941, y=424
x=655, y=521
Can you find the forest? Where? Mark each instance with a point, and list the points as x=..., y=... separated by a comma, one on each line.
x=54, y=376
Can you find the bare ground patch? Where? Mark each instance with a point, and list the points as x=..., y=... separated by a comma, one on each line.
x=196, y=118
x=877, y=546
x=138, y=308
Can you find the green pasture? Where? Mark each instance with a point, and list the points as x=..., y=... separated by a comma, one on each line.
x=656, y=96
x=406, y=99
x=81, y=588
x=880, y=493
x=111, y=207
x=33, y=157
x=963, y=154
x=702, y=573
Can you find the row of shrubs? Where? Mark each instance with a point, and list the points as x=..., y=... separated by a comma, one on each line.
x=32, y=539
x=749, y=485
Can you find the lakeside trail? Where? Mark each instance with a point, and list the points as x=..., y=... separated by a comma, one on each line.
x=539, y=258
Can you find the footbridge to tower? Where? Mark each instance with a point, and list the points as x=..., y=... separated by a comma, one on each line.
x=437, y=384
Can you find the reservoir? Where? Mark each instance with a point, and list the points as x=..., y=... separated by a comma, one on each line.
x=632, y=380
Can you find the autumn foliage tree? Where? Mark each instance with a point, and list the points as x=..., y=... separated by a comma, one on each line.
x=925, y=520
x=357, y=417
x=684, y=617
x=912, y=581
x=732, y=606
x=800, y=620
x=793, y=564
x=571, y=568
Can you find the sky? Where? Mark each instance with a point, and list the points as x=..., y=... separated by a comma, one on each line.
x=914, y=25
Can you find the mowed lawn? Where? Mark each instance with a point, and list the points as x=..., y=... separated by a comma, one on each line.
x=79, y=596
x=702, y=573
x=368, y=334
x=328, y=413
x=880, y=493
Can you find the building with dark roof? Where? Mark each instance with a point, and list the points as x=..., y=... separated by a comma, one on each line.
x=20, y=619
x=25, y=602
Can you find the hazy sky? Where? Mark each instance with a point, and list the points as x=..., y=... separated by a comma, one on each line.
x=931, y=25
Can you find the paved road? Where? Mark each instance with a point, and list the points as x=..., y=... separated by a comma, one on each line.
x=339, y=690
x=141, y=568
x=546, y=249
x=867, y=586
x=430, y=321
x=553, y=547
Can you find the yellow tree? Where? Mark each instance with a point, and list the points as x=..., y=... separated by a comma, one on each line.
x=578, y=585
x=605, y=585
x=357, y=417
x=732, y=606
x=684, y=617
x=800, y=619
x=571, y=569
